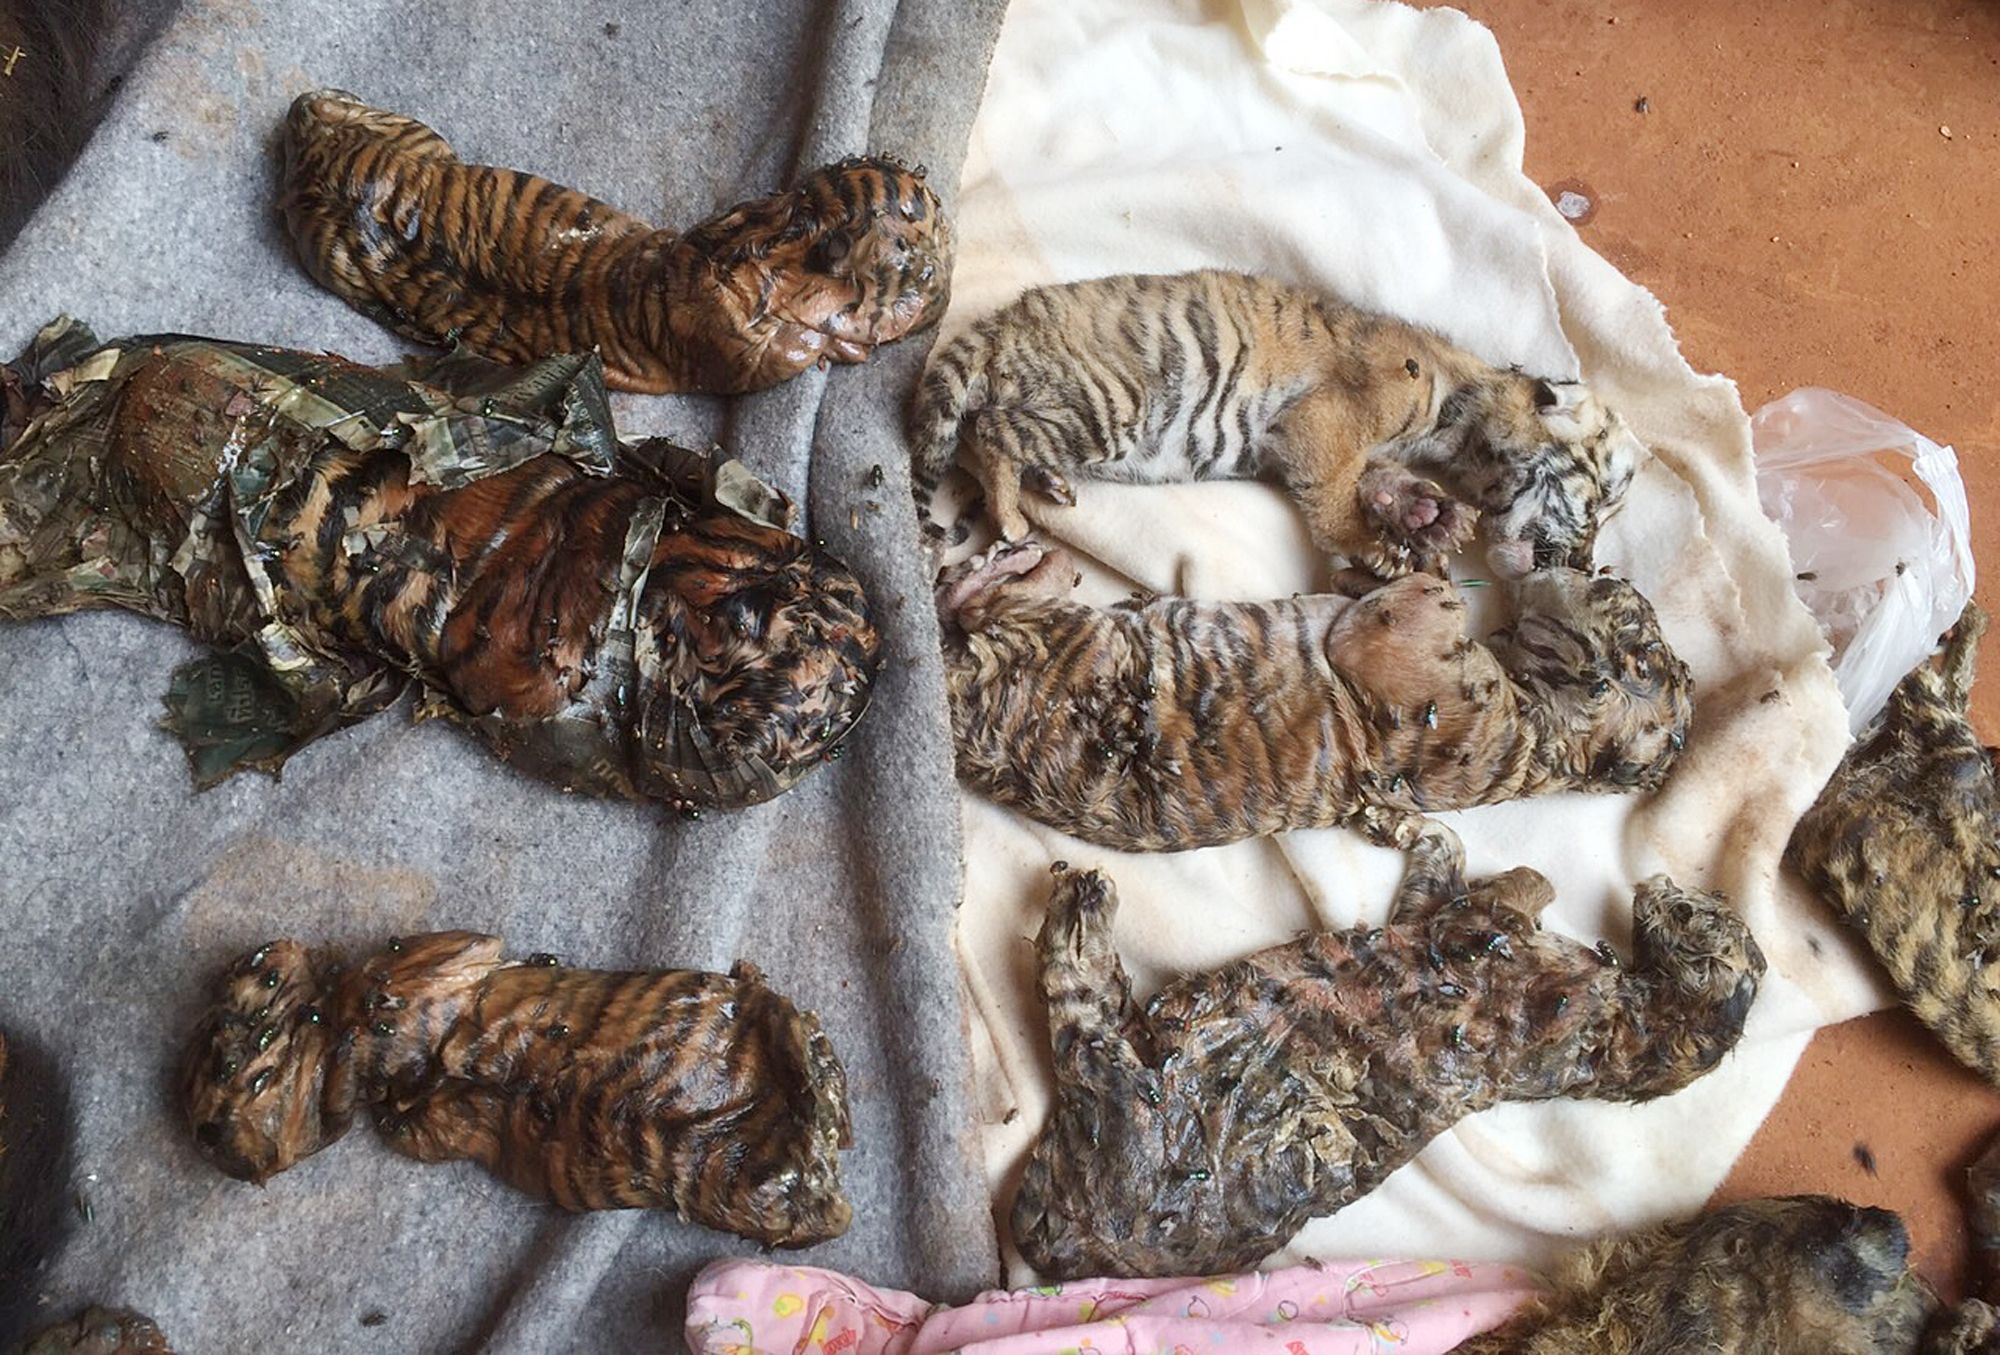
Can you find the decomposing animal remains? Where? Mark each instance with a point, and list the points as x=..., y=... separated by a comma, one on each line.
x=1904, y=843
x=1197, y=1133
x=621, y=620
x=1393, y=441
x=383, y=213
x=1804, y=1275
x=99, y=1331
x=705, y=1093
x=1178, y=724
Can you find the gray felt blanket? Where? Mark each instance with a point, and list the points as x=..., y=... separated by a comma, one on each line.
x=122, y=891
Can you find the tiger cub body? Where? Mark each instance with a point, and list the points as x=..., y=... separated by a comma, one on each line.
x=383, y=213
x=1179, y=724
x=1902, y=842
x=595, y=611
x=1196, y=1133
x=1391, y=440
x=706, y=1093
x=1794, y=1275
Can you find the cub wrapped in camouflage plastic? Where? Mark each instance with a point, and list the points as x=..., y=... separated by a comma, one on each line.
x=621, y=620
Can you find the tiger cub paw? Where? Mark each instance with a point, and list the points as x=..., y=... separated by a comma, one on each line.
x=1051, y=484
x=1414, y=515
x=966, y=591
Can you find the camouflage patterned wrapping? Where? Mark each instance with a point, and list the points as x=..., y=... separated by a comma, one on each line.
x=199, y=482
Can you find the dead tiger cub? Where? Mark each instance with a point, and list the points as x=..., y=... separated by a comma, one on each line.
x=622, y=620
x=705, y=1093
x=384, y=214
x=1904, y=842
x=1178, y=724
x=1391, y=440
x=99, y=1331
x=1196, y=1134
x=1798, y=1275
x=37, y=1199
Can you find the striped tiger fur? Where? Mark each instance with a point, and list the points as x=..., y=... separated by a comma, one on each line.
x=99, y=1331
x=384, y=214
x=595, y=612
x=1178, y=724
x=1391, y=440
x=1797, y=1275
x=1794, y=1275
x=1196, y=1134
x=1982, y=1182
x=674, y=1089
x=1904, y=843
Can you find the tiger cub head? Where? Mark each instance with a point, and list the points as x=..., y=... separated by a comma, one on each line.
x=1616, y=701
x=261, y=1084
x=1545, y=461
x=756, y=655
x=861, y=248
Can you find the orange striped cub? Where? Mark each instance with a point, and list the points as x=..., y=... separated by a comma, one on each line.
x=1392, y=441
x=383, y=213
x=705, y=1093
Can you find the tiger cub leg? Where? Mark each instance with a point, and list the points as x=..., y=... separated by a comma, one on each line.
x=1961, y=656
x=1433, y=876
x=1086, y=1202
x=448, y=1123
x=1374, y=514
x=1093, y=1020
x=1024, y=571
x=1324, y=483
x=1008, y=450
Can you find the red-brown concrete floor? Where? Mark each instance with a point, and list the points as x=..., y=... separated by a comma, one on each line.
x=1813, y=190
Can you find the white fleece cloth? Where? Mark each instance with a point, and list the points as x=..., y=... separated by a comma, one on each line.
x=1375, y=150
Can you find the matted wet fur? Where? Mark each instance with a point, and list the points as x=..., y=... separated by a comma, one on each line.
x=1802, y=1275
x=99, y=1331
x=1904, y=843
x=620, y=620
x=1392, y=441
x=1174, y=724
x=36, y=1203
x=705, y=1093
x=384, y=214
x=1198, y=1133
x=48, y=52
x=1797, y=1276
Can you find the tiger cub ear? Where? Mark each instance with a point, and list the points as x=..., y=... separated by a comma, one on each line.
x=1559, y=397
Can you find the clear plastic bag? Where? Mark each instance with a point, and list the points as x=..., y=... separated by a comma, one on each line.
x=1884, y=573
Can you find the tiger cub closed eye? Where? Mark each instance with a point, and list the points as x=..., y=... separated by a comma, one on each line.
x=1392, y=441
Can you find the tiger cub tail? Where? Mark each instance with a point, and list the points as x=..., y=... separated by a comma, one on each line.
x=954, y=386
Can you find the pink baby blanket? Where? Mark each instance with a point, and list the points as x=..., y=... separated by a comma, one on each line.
x=1338, y=1308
